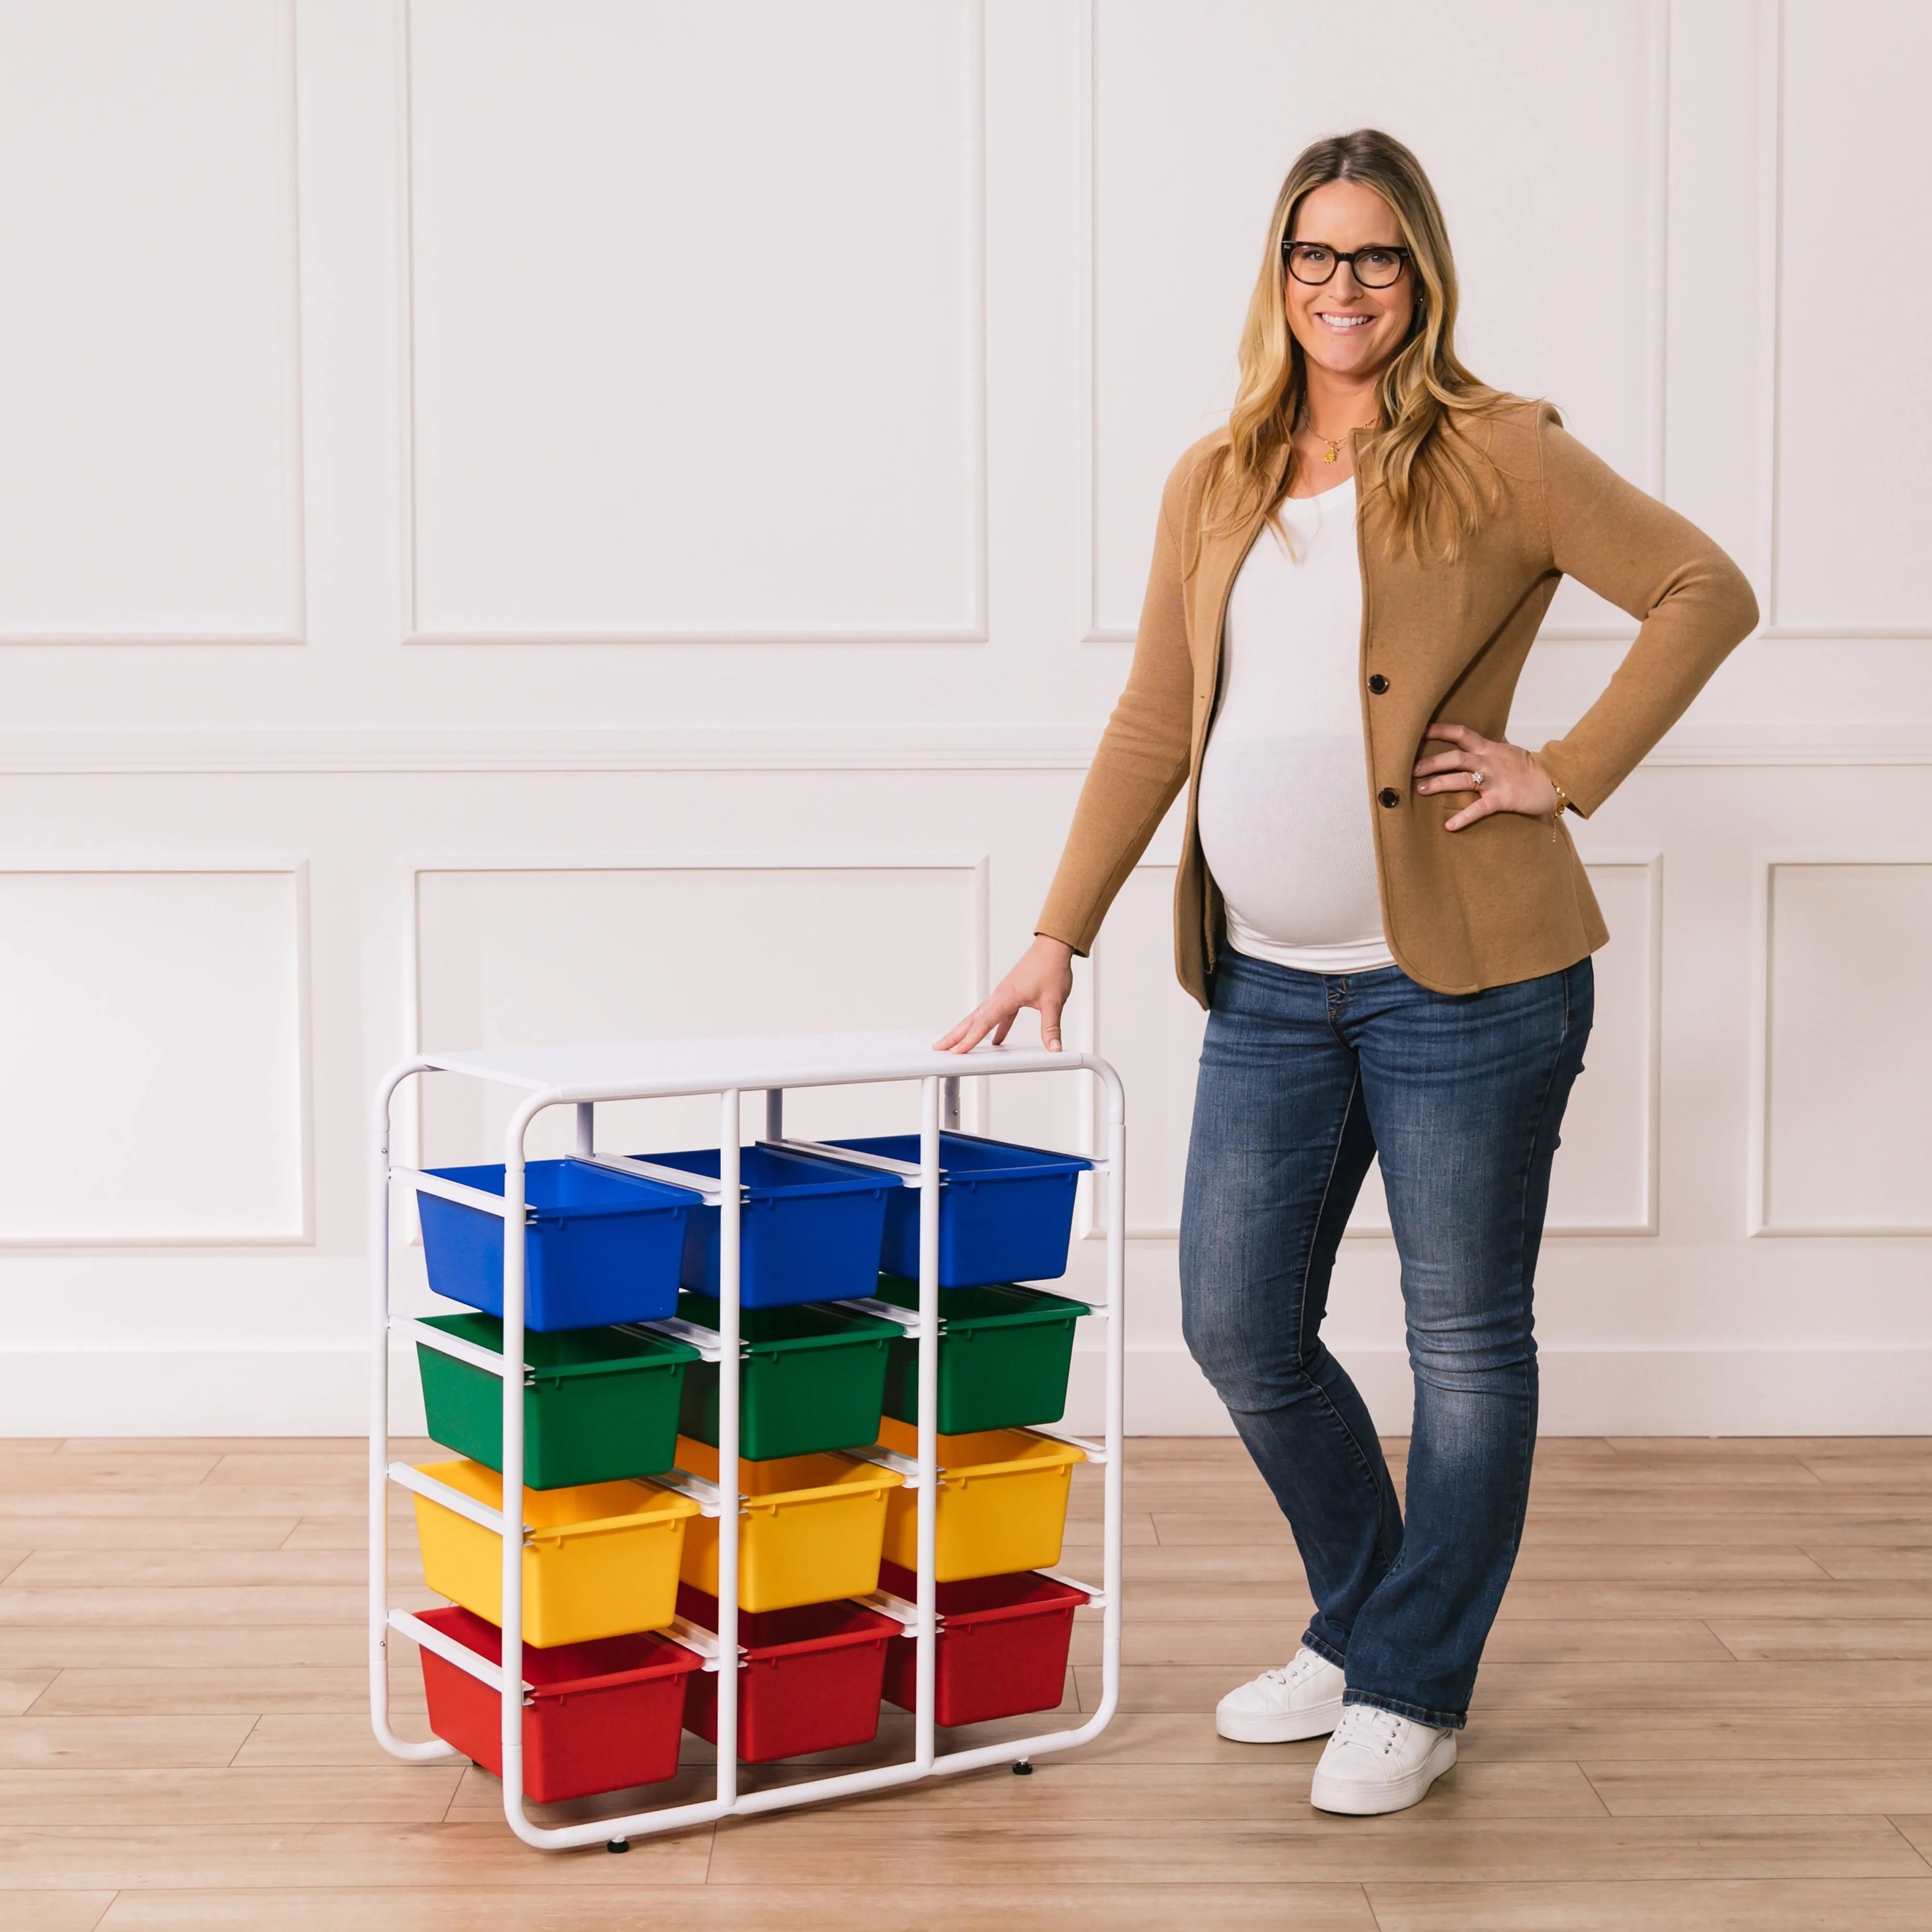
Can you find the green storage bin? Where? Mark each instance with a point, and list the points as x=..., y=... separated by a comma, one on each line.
x=1003, y=1357
x=811, y=1377
x=599, y=1404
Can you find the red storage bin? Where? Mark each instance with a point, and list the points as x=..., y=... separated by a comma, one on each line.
x=808, y=1681
x=605, y=1716
x=1002, y=1650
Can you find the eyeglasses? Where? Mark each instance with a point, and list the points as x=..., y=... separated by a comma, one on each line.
x=1316, y=263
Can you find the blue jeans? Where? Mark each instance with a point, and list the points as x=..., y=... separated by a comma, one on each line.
x=1305, y=1077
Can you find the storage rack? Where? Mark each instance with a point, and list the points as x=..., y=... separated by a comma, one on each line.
x=581, y=1077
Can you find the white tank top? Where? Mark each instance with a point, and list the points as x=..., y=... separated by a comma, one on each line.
x=1283, y=811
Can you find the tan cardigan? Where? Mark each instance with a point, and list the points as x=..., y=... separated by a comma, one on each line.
x=1506, y=899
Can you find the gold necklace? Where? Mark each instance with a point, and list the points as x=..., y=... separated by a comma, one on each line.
x=1335, y=443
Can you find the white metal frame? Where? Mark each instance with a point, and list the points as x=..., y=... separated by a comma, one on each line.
x=581, y=1077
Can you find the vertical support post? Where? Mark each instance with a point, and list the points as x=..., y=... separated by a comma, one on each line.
x=949, y=1106
x=729, y=1251
x=928, y=1515
x=587, y=1127
x=774, y=1113
x=378, y=1435
x=514, y=1247
x=1113, y=1476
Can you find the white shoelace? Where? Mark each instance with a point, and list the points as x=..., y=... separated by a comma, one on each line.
x=1305, y=1664
x=1371, y=1728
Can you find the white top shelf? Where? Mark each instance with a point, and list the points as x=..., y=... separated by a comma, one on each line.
x=654, y=1069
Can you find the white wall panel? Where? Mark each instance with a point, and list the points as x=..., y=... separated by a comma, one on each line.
x=1199, y=110
x=1846, y=1048
x=679, y=952
x=153, y=1051
x=696, y=316
x=150, y=455
x=1853, y=411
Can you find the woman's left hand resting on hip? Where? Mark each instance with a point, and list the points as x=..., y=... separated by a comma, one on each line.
x=1503, y=777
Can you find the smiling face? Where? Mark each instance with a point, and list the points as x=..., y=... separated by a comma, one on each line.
x=1352, y=332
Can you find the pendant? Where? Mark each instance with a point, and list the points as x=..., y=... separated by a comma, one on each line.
x=1334, y=450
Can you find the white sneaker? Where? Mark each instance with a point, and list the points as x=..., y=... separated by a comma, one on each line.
x=1303, y=1699
x=1378, y=1761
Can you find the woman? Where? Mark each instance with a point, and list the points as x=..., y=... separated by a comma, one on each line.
x=1380, y=907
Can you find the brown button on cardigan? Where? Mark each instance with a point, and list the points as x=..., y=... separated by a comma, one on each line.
x=1506, y=899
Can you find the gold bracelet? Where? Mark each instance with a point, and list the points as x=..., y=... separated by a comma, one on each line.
x=1562, y=798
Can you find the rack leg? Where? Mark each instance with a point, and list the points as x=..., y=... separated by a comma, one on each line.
x=587, y=1127
x=774, y=1113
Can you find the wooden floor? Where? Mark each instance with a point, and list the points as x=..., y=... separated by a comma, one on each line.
x=1708, y=1705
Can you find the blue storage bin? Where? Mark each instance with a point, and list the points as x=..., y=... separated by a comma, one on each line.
x=1006, y=1213
x=601, y=1247
x=808, y=1231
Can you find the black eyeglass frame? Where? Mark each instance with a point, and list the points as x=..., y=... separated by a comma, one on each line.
x=1289, y=244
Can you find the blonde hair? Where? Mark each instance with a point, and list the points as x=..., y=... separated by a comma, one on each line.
x=1432, y=477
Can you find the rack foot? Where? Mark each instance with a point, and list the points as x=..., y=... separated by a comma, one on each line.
x=618, y=1845
x=1023, y=1767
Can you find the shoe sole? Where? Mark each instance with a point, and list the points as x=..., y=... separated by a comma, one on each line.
x=1370, y=1801
x=1284, y=1727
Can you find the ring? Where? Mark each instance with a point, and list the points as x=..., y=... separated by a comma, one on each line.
x=1481, y=779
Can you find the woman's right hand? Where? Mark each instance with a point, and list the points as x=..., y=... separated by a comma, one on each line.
x=1043, y=978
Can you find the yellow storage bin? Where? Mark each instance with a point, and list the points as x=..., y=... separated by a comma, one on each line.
x=602, y=1561
x=1002, y=1501
x=810, y=1529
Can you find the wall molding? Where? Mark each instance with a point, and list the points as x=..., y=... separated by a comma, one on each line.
x=976, y=630
x=1771, y=98
x=1656, y=314
x=1759, y=1222
x=296, y=871
x=294, y=429
x=779, y=747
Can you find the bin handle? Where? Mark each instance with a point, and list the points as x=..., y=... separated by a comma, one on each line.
x=490, y=1360
x=603, y=1525
x=712, y=1191
x=886, y=1311
x=428, y=1637
x=464, y=1196
x=907, y=1171
x=675, y=1328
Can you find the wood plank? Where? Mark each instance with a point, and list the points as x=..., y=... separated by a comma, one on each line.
x=1824, y=1598
x=191, y=1500
x=1820, y=1738
x=1603, y=1562
x=1426, y=1846
x=317, y=1603
x=321, y=1853
x=19, y=1689
x=1703, y=1905
x=148, y=1469
x=210, y=1646
x=195, y=1693
x=332, y=1738
x=157, y=1532
x=280, y=1470
x=395, y=1794
x=987, y=1907
x=208, y=1569
x=354, y=1447
x=59, y=1911
x=1890, y=1524
x=1874, y=1563
x=1800, y=1638
x=1692, y=1787
x=118, y=1743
